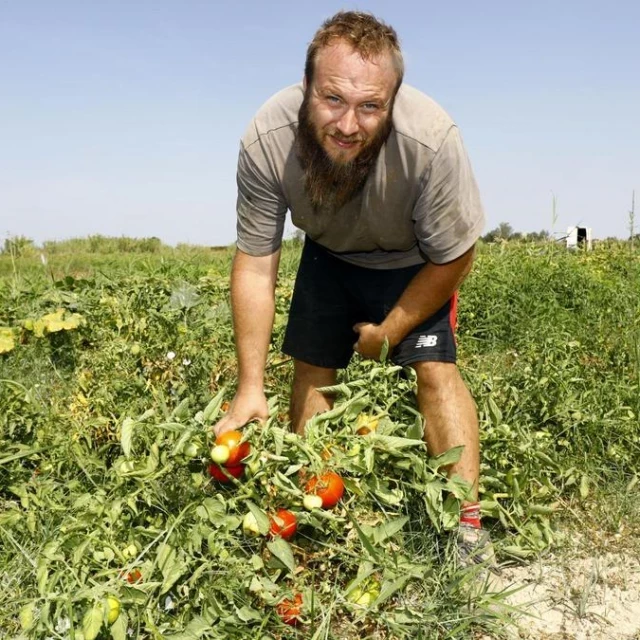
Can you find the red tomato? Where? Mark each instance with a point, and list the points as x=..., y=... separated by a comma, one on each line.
x=328, y=486
x=134, y=576
x=283, y=524
x=237, y=451
x=216, y=472
x=290, y=610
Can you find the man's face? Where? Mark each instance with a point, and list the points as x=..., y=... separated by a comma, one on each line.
x=350, y=100
x=343, y=123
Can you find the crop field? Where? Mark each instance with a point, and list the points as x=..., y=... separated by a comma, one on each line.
x=117, y=357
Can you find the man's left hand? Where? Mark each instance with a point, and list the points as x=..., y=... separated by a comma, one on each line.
x=372, y=337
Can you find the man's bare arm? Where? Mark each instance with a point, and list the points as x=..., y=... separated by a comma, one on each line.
x=253, y=282
x=430, y=288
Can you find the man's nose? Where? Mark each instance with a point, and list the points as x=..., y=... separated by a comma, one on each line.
x=348, y=123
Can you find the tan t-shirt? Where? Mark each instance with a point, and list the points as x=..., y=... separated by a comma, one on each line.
x=420, y=202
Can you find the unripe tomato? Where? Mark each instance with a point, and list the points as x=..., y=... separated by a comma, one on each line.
x=290, y=610
x=218, y=473
x=237, y=450
x=283, y=524
x=113, y=609
x=312, y=502
x=220, y=454
x=328, y=486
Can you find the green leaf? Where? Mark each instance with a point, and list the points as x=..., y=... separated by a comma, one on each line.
x=389, y=587
x=450, y=513
x=459, y=487
x=433, y=502
x=118, y=629
x=278, y=439
x=92, y=621
x=394, y=443
x=366, y=543
x=210, y=412
x=381, y=489
x=449, y=457
x=584, y=487
x=384, y=352
x=126, y=434
x=171, y=565
x=197, y=627
x=416, y=430
x=261, y=518
x=494, y=412
x=388, y=529
x=281, y=550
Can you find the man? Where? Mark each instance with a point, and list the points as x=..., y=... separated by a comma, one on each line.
x=375, y=174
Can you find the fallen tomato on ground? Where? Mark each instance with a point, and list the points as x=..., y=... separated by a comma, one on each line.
x=328, y=486
x=283, y=523
x=289, y=610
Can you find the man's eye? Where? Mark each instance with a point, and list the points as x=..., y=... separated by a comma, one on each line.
x=370, y=106
x=333, y=99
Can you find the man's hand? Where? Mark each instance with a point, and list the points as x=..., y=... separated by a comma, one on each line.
x=245, y=407
x=372, y=337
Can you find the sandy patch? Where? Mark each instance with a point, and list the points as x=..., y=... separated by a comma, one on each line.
x=595, y=597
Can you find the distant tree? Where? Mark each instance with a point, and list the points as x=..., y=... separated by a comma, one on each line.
x=503, y=231
x=539, y=236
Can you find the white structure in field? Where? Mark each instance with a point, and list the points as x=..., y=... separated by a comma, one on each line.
x=579, y=237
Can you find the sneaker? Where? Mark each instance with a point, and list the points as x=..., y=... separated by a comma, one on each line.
x=475, y=548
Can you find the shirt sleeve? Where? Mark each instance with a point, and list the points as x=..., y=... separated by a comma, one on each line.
x=261, y=207
x=448, y=216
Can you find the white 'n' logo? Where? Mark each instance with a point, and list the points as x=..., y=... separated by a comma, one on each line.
x=427, y=341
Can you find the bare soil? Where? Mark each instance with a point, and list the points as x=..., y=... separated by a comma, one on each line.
x=594, y=596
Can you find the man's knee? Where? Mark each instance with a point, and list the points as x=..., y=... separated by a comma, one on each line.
x=432, y=376
x=312, y=375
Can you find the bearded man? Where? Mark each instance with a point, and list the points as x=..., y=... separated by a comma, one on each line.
x=376, y=175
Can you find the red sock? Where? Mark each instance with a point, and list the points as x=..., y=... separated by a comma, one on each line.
x=470, y=515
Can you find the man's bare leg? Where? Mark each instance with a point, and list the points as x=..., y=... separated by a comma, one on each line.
x=450, y=417
x=305, y=400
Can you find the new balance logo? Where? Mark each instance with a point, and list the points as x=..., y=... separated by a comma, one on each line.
x=426, y=341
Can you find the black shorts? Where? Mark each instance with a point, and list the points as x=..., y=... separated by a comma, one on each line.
x=331, y=295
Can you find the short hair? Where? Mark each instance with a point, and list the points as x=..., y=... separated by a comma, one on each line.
x=364, y=32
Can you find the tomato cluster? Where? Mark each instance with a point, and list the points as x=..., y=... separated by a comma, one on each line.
x=228, y=454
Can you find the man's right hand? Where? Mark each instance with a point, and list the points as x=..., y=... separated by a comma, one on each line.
x=245, y=407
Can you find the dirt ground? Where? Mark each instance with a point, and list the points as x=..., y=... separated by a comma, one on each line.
x=594, y=596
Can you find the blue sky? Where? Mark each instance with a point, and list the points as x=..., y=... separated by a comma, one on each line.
x=123, y=117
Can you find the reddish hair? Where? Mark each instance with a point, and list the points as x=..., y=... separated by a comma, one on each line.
x=364, y=32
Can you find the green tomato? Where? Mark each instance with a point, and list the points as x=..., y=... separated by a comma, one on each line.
x=312, y=502
x=220, y=453
x=113, y=609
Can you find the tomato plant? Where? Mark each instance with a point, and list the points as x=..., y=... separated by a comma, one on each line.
x=283, y=523
x=218, y=473
x=237, y=450
x=289, y=610
x=328, y=486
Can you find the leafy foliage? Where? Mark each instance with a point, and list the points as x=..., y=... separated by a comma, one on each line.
x=104, y=438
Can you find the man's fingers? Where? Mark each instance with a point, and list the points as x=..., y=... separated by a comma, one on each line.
x=228, y=423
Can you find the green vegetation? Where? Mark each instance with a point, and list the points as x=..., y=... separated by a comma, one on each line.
x=115, y=357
